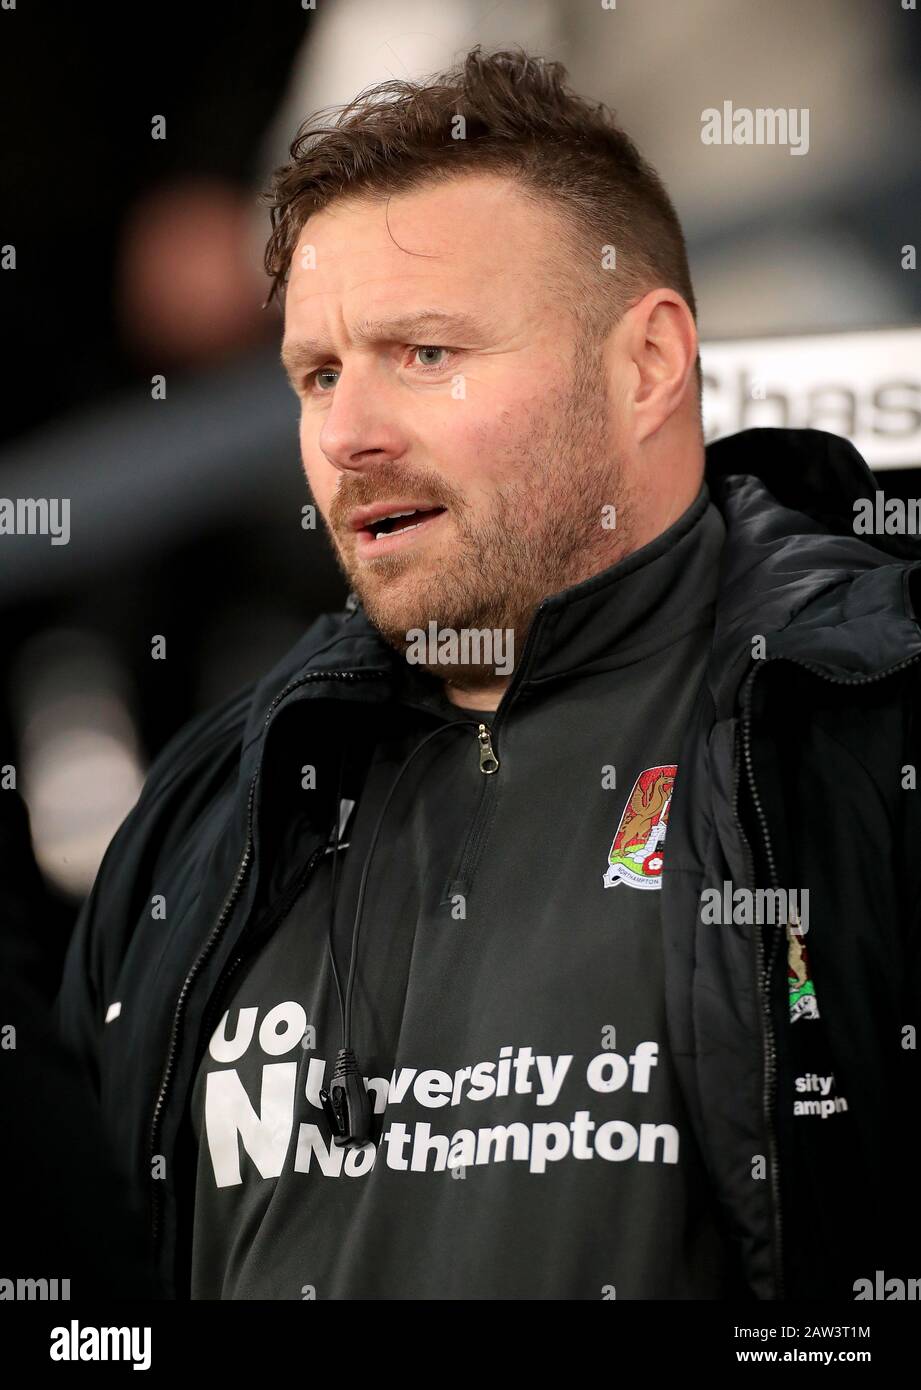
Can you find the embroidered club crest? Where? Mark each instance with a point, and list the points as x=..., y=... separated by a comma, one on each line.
x=803, y=1002
x=636, y=855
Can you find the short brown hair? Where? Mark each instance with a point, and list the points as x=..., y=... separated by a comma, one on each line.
x=520, y=118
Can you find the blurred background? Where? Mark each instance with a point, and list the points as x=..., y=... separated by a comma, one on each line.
x=141, y=379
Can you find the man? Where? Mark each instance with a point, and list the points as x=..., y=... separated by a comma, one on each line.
x=463, y=956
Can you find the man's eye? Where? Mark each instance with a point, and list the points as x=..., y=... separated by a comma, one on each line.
x=315, y=379
x=418, y=350
x=325, y=378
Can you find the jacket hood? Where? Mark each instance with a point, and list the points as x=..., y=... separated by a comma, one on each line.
x=794, y=572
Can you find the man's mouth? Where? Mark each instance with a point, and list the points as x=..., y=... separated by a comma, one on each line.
x=382, y=529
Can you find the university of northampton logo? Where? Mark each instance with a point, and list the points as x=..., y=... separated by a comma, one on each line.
x=803, y=1003
x=636, y=854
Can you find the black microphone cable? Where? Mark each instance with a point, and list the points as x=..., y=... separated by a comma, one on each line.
x=346, y=1104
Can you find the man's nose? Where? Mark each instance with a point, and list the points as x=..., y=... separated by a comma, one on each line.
x=362, y=424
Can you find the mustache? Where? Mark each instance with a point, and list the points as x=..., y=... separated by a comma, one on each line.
x=364, y=489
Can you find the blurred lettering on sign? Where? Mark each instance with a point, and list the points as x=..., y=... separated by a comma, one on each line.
x=865, y=386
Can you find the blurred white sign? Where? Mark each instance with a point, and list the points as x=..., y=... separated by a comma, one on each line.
x=865, y=386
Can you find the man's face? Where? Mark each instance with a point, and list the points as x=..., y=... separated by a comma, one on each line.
x=449, y=381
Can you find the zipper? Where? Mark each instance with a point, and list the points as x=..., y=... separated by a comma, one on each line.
x=217, y=930
x=769, y=1047
x=489, y=764
x=765, y=973
x=253, y=939
x=489, y=761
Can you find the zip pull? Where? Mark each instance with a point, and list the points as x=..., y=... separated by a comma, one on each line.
x=489, y=763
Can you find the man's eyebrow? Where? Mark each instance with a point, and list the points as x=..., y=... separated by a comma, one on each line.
x=302, y=353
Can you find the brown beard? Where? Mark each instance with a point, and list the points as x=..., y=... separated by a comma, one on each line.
x=543, y=533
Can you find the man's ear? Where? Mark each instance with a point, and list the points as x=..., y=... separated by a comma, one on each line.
x=664, y=346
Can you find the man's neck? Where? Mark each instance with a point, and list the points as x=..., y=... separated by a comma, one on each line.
x=484, y=697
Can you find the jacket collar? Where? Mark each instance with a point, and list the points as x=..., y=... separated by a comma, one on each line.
x=791, y=570
x=625, y=612
x=634, y=607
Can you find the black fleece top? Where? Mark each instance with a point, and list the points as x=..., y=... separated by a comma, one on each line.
x=529, y=1137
